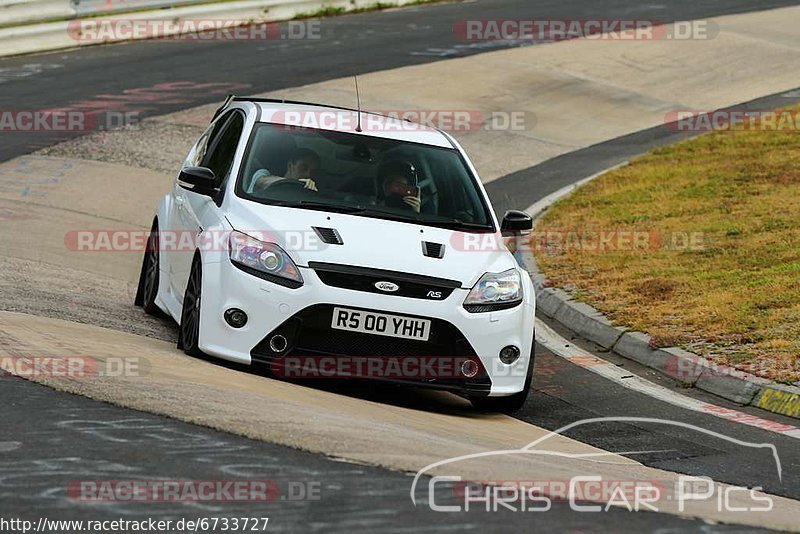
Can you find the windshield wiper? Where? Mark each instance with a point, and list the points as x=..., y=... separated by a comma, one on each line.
x=311, y=205
x=350, y=210
x=456, y=224
x=450, y=224
x=359, y=210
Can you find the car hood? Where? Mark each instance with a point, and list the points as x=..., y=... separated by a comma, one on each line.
x=374, y=243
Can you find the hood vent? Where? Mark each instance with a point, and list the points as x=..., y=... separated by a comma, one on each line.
x=328, y=235
x=433, y=250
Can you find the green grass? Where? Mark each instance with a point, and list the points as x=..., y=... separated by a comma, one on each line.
x=734, y=298
x=334, y=11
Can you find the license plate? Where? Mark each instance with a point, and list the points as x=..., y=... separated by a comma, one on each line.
x=381, y=324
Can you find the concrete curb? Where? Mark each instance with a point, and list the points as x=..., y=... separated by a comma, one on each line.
x=50, y=36
x=686, y=367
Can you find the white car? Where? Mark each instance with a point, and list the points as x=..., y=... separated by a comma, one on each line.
x=355, y=244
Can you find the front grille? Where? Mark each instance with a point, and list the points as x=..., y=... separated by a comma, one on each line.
x=310, y=334
x=317, y=336
x=365, y=279
x=483, y=308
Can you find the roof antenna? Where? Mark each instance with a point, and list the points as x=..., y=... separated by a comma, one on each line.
x=358, y=98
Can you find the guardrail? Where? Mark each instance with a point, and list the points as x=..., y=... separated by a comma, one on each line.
x=14, y=12
x=19, y=12
x=94, y=7
x=28, y=26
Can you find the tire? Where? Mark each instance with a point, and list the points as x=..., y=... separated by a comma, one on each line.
x=149, y=277
x=189, y=330
x=512, y=403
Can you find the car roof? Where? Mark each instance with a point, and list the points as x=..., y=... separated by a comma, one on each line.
x=338, y=119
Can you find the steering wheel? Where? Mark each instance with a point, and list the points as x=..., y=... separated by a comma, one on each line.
x=289, y=185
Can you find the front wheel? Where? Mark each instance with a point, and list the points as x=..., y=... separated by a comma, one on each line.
x=148, y=278
x=512, y=403
x=189, y=332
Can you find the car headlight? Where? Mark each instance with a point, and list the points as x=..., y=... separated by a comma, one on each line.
x=495, y=291
x=265, y=260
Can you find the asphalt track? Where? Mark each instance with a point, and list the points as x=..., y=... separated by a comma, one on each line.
x=108, y=76
x=110, y=440
x=85, y=439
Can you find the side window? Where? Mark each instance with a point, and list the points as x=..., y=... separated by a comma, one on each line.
x=219, y=156
x=198, y=153
x=198, y=150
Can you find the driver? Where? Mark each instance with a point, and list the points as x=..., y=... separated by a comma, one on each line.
x=302, y=163
x=398, y=185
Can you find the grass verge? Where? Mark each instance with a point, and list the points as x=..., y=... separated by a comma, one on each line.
x=697, y=244
x=335, y=11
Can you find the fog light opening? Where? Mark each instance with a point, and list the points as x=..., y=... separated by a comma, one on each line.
x=469, y=368
x=509, y=354
x=235, y=317
x=278, y=343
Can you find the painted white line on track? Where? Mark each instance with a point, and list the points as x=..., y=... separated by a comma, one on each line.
x=563, y=348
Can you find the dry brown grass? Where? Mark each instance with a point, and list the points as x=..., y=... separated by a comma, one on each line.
x=734, y=296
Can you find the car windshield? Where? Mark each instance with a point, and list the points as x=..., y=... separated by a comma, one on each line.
x=361, y=175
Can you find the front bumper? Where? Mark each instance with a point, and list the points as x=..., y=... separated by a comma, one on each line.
x=271, y=307
x=314, y=346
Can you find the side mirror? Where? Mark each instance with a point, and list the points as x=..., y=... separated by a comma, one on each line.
x=516, y=222
x=199, y=180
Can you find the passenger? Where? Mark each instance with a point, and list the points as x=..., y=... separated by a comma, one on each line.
x=398, y=185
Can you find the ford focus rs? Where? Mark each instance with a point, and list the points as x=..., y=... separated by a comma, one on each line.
x=311, y=237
